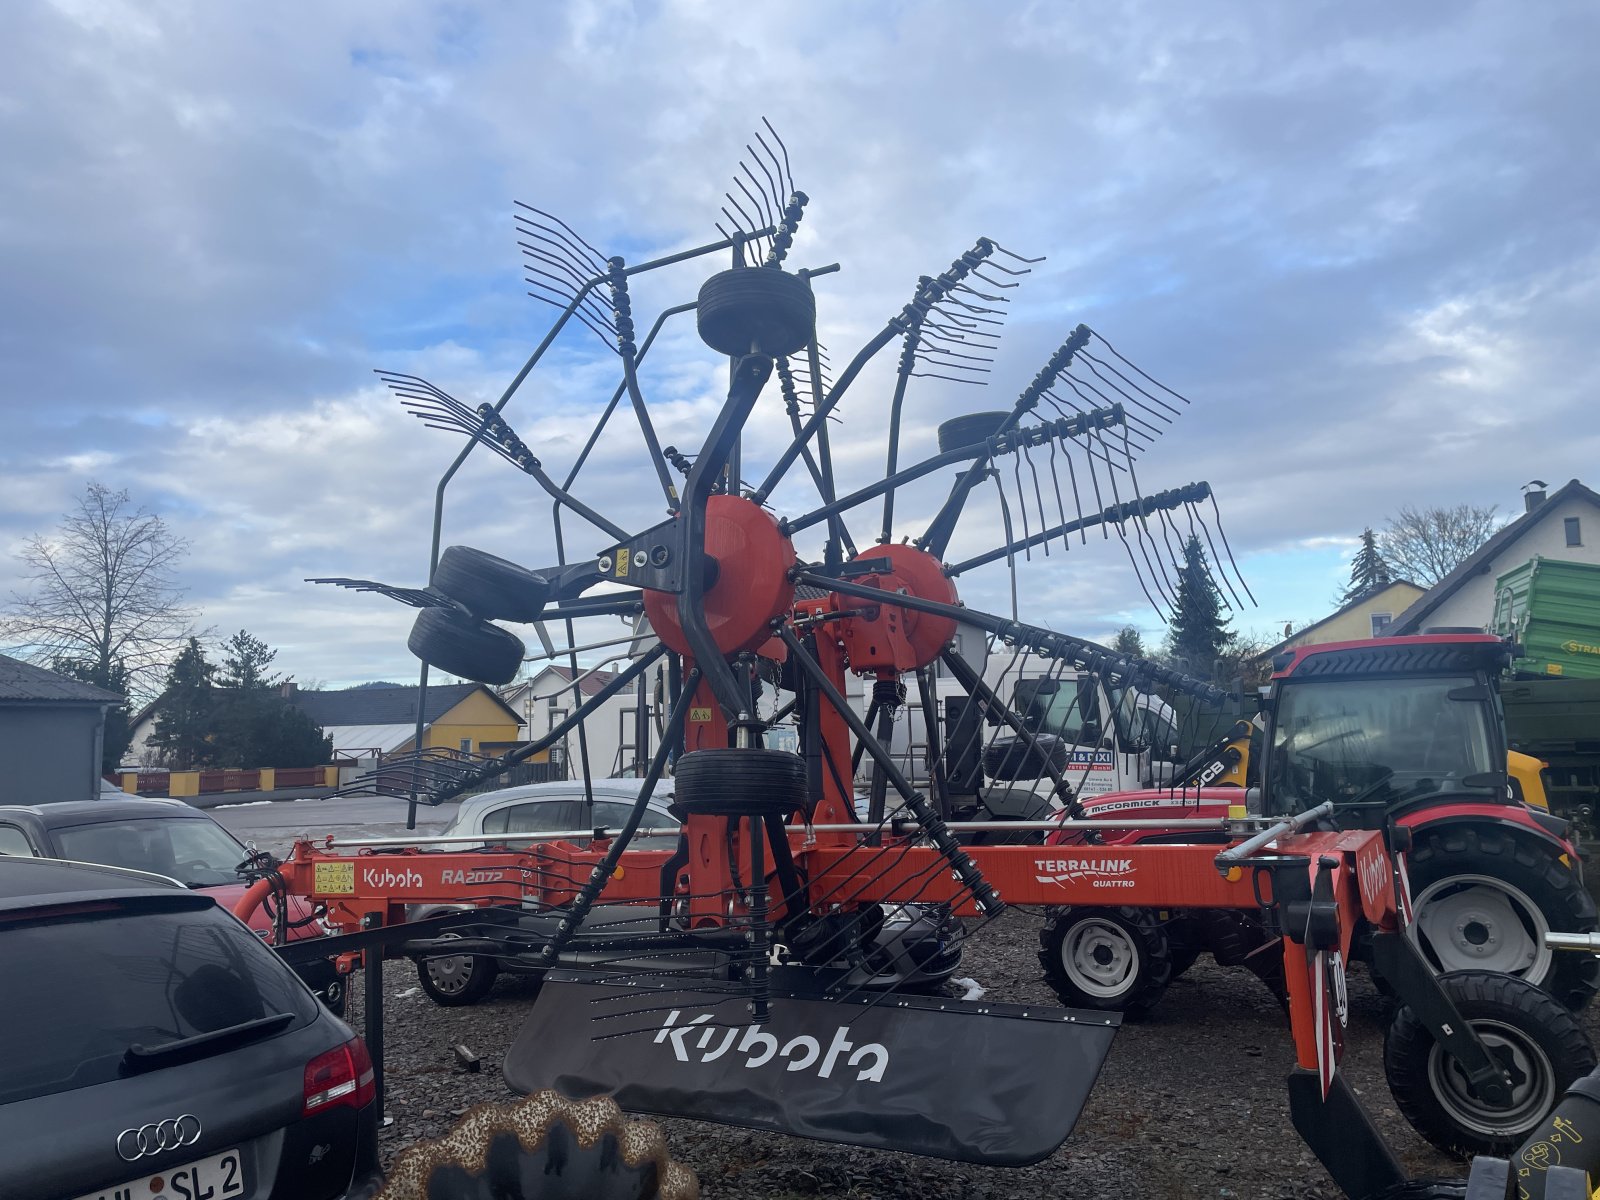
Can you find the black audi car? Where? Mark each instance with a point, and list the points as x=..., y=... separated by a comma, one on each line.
x=153, y=1049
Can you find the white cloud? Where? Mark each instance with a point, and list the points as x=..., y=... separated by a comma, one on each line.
x=1373, y=273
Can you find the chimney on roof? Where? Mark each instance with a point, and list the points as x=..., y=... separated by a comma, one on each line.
x=1533, y=494
x=287, y=689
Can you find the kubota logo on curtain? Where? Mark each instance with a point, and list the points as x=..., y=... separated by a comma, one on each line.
x=698, y=1040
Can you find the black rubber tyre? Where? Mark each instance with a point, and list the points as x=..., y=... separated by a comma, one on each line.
x=459, y=981
x=1512, y=873
x=1111, y=959
x=1425, y=1189
x=1183, y=940
x=459, y=645
x=727, y=782
x=969, y=428
x=490, y=587
x=756, y=310
x=1536, y=1037
x=1237, y=941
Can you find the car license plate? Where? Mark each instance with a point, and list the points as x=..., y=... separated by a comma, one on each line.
x=214, y=1178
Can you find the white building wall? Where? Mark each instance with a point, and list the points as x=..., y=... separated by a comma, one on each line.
x=605, y=729
x=1472, y=605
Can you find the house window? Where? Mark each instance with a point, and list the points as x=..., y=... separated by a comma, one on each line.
x=1574, y=534
x=466, y=745
x=1381, y=622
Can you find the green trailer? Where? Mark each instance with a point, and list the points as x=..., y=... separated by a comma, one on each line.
x=1552, y=610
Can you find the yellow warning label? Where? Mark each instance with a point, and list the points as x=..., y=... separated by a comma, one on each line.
x=699, y=714
x=622, y=561
x=334, y=878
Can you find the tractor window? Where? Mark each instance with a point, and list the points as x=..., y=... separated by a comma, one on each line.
x=1394, y=740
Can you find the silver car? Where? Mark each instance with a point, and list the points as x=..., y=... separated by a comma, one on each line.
x=551, y=807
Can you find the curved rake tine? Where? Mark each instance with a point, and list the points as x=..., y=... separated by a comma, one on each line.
x=1098, y=397
x=559, y=250
x=1133, y=366
x=1128, y=396
x=1022, y=507
x=756, y=202
x=1229, y=549
x=1132, y=384
x=415, y=597
x=603, y=334
x=770, y=202
x=784, y=150
x=1037, y=495
x=589, y=305
x=1015, y=255
x=600, y=258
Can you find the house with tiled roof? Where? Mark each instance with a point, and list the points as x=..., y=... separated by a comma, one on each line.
x=1563, y=524
x=374, y=722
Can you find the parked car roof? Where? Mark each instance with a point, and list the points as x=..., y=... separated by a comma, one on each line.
x=609, y=789
x=23, y=879
x=79, y=812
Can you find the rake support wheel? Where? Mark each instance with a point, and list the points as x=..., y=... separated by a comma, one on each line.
x=1528, y=1031
x=969, y=428
x=751, y=782
x=756, y=310
x=490, y=587
x=461, y=645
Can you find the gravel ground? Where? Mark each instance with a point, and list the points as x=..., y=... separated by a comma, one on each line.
x=1191, y=1103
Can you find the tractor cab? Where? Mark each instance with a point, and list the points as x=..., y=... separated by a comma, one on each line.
x=1387, y=726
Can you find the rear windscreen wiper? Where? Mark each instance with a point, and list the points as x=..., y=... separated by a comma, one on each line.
x=139, y=1057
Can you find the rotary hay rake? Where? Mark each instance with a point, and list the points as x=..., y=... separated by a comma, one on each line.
x=735, y=970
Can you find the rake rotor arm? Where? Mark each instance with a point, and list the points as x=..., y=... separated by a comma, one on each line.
x=940, y=529
x=1004, y=443
x=1114, y=514
x=820, y=413
x=1081, y=653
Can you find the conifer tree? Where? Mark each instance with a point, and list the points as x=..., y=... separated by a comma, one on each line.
x=1198, y=635
x=185, y=715
x=1368, y=570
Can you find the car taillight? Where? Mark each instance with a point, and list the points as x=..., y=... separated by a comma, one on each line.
x=342, y=1076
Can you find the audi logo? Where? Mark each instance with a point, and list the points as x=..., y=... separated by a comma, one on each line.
x=134, y=1144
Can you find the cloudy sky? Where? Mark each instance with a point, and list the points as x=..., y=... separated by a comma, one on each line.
x=1361, y=237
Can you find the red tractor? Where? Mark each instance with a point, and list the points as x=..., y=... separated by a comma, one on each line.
x=1410, y=727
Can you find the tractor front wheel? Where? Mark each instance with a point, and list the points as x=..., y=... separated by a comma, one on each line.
x=1540, y=1044
x=1111, y=959
x=1484, y=898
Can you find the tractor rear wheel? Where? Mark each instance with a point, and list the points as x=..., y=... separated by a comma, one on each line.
x=1538, y=1041
x=1111, y=959
x=1484, y=898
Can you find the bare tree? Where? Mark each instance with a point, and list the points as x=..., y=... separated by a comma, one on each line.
x=103, y=601
x=1424, y=545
